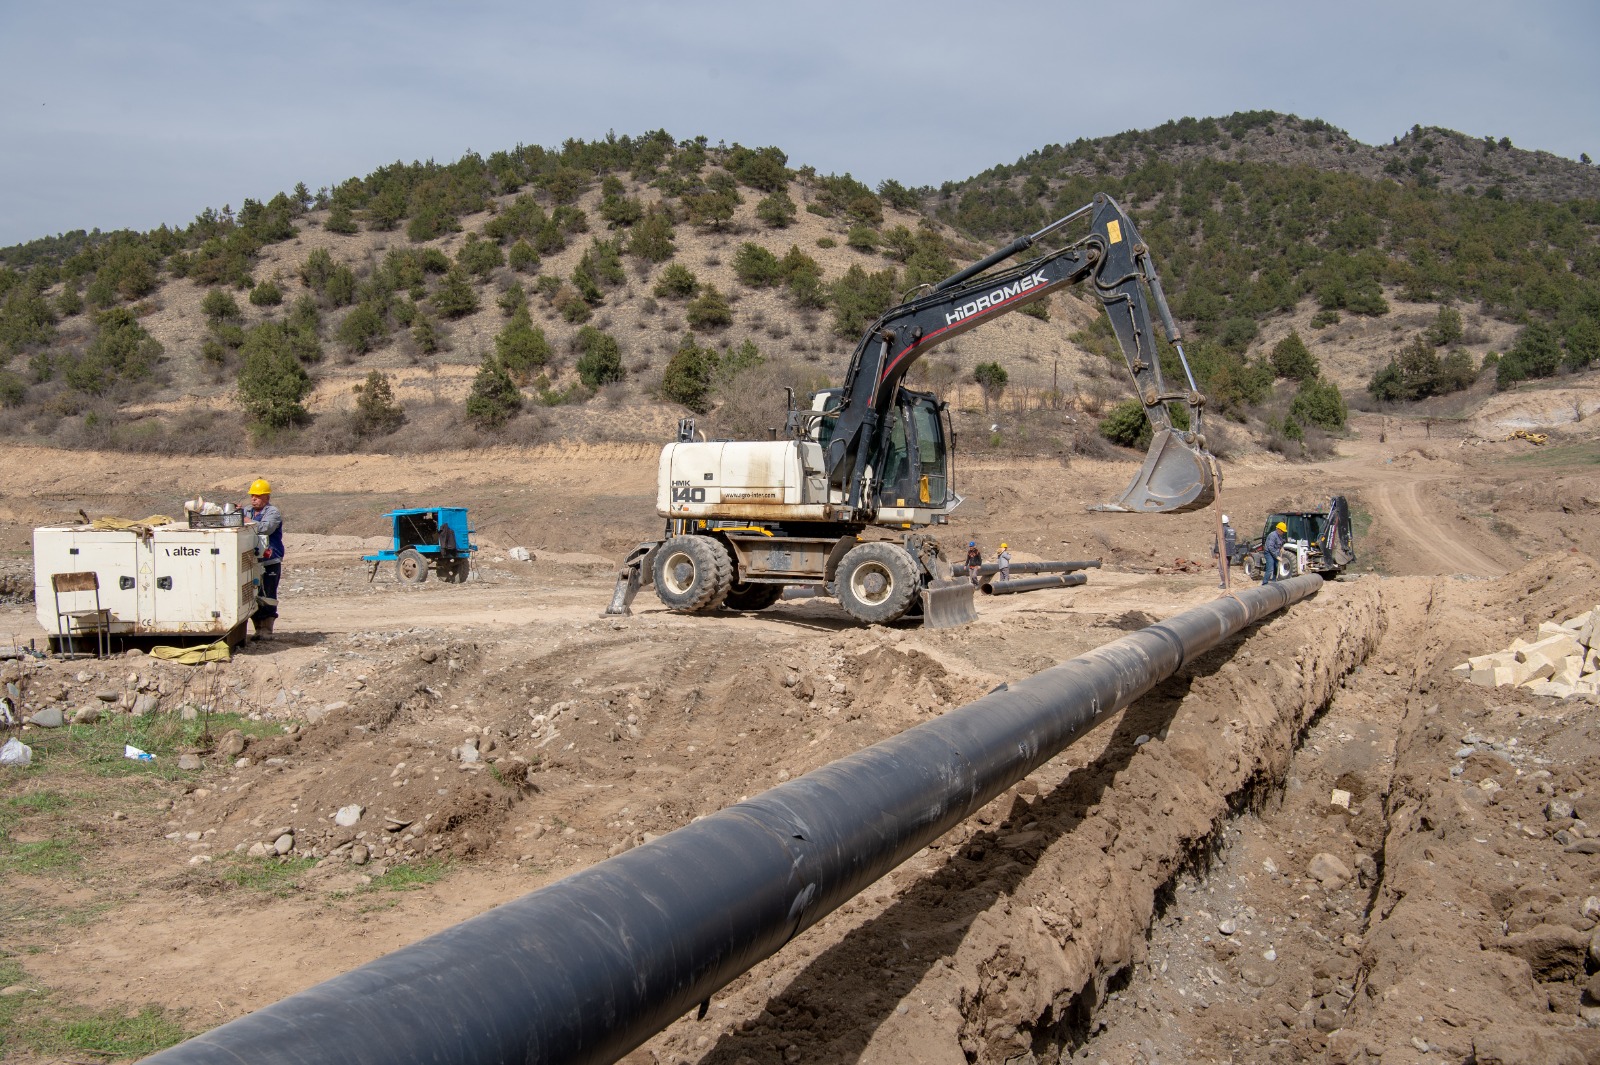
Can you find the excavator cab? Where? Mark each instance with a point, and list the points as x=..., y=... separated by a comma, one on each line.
x=914, y=484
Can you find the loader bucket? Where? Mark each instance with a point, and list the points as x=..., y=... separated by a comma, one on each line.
x=1176, y=476
x=948, y=604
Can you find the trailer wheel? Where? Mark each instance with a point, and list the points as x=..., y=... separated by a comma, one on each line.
x=454, y=570
x=752, y=596
x=410, y=567
x=877, y=583
x=693, y=574
x=1252, y=567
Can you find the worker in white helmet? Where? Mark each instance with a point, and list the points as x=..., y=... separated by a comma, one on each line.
x=1224, y=556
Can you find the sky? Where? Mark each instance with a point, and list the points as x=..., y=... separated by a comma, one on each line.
x=127, y=115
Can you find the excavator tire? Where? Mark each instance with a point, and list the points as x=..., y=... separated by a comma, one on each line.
x=877, y=583
x=693, y=574
x=752, y=596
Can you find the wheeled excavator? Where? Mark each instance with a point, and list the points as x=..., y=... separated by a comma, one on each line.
x=871, y=459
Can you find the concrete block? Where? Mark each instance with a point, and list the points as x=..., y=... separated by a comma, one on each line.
x=1553, y=647
x=1484, y=678
x=1589, y=634
x=1548, y=689
x=1568, y=670
x=1591, y=660
x=1505, y=675
x=1534, y=669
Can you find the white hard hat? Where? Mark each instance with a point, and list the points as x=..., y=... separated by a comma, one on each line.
x=1224, y=519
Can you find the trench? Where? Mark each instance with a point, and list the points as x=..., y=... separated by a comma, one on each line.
x=1017, y=929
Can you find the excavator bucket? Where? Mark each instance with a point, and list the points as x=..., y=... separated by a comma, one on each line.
x=1176, y=477
x=948, y=604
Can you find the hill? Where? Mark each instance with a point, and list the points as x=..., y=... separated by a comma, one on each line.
x=601, y=290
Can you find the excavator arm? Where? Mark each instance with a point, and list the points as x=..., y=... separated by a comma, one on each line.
x=1178, y=473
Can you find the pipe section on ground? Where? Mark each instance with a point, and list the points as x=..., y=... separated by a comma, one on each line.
x=1033, y=584
x=989, y=569
x=591, y=966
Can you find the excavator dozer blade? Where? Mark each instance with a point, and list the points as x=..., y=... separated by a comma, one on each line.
x=948, y=604
x=1176, y=476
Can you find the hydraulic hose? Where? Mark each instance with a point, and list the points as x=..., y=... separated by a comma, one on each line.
x=591, y=966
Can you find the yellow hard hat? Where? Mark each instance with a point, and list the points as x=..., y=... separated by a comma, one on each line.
x=1281, y=527
x=259, y=487
x=1003, y=546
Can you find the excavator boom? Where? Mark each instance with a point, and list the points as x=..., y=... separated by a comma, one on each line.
x=1178, y=473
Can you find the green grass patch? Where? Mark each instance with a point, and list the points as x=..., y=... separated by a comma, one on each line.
x=273, y=876
x=45, y=856
x=37, y=802
x=1586, y=453
x=32, y=1020
x=107, y=1033
x=410, y=877
x=99, y=748
x=52, y=854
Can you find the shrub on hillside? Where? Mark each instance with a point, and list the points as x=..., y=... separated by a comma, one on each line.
x=376, y=413
x=266, y=294
x=26, y=318
x=651, y=240
x=1536, y=353
x=521, y=346
x=455, y=296
x=220, y=306
x=858, y=299
x=709, y=310
x=1318, y=402
x=494, y=398
x=480, y=258
x=687, y=379
x=677, y=282
x=362, y=329
x=777, y=210
x=1292, y=359
x=601, y=361
x=757, y=267
x=992, y=378
x=272, y=383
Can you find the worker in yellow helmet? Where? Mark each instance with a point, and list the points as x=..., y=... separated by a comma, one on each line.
x=1271, y=552
x=268, y=521
x=1002, y=562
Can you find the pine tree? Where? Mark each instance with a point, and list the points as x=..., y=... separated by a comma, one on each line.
x=494, y=398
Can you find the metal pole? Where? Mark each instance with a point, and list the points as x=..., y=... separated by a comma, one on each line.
x=989, y=569
x=1033, y=584
x=593, y=965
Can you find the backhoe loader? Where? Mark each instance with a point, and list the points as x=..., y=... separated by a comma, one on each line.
x=870, y=459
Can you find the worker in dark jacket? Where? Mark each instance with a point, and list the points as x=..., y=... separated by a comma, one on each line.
x=974, y=561
x=268, y=522
x=1271, y=552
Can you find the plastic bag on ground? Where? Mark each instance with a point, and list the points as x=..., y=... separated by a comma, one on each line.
x=15, y=752
x=130, y=751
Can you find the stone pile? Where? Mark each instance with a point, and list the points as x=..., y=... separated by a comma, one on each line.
x=1563, y=661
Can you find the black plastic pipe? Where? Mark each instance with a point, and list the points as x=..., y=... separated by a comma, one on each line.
x=989, y=569
x=1033, y=584
x=593, y=965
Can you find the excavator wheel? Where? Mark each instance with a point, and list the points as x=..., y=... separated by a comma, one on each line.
x=752, y=596
x=693, y=574
x=877, y=583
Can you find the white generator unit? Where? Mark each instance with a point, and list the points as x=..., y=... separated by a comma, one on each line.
x=165, y=580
